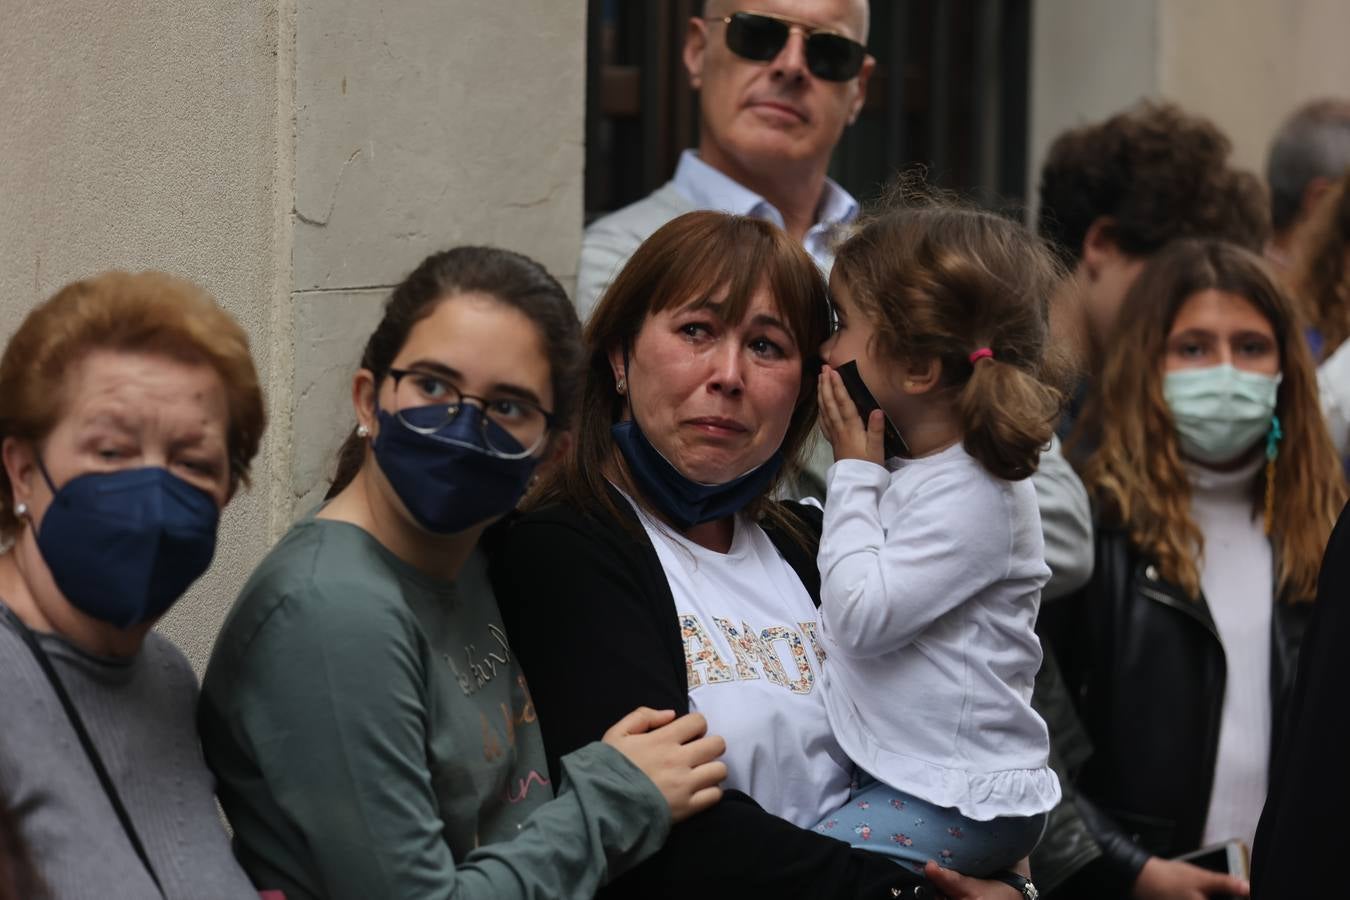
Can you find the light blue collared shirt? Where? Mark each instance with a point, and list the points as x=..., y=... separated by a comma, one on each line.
x=706, y=188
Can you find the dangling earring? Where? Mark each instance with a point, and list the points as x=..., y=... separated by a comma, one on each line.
x=1273, y=438
x=621, y=386
x=362, y=431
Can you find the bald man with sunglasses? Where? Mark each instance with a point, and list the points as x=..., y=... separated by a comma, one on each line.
x=778, y=82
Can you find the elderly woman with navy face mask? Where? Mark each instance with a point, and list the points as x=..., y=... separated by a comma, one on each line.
x=1216, y=487
x=364, y=710
x=129, y=412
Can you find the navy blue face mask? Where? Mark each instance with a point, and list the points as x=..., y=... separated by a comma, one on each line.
x=682, y=500
x=449, y=479
x=124, y=546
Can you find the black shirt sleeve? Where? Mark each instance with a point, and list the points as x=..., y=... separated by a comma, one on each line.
x=589, y=613
x=1301, y=838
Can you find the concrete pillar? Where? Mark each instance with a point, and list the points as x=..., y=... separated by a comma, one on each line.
x=297, y=158
x=1243, y=63
x=143, y=135
x=1248, y=64
x=418, y=127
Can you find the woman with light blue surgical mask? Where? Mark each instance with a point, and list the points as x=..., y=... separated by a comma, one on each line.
x=364, y=709
x=1216, y=487
x=129, y=413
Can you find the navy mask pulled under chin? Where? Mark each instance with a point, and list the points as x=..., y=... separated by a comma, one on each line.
x=124, y=546
x=682, y=500
x=448, y=480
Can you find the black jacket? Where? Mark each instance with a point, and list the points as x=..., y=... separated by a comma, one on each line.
x=1146, y=671
x=593, y=622
x=1302, y=833
x=1068, y=845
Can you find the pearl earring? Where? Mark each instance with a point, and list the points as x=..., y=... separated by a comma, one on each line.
x=362, y=431
x=21, y=510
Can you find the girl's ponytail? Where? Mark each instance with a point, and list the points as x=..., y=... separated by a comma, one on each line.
x=1008, y=417
x=940, y=281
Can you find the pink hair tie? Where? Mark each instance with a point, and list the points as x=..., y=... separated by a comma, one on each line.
x=982, y=353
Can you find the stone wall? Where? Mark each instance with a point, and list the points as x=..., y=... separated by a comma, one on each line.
x=297, y=158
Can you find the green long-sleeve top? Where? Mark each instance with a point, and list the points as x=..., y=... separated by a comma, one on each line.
x=373, y=736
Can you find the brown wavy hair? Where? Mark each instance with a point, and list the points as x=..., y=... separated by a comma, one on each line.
x=940, y=281
x=1159, y=173
x=1135, y=474
x=696, y=255
x=147, y=312
x=1322, y=279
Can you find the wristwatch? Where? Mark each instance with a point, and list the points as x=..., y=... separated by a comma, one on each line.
x=1017, y=882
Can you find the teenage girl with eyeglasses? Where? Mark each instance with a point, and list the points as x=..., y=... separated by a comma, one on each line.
x=364, y=710
x=932, y=560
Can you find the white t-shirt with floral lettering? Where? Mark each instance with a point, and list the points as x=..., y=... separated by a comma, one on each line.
x=753, y=658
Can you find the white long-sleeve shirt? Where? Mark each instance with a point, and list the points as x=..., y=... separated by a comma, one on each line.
x=1237, y=577
x=931, y=581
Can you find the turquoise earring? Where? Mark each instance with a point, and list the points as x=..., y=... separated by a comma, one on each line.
x=1273, y=438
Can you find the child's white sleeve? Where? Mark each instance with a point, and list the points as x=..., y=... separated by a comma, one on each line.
x=1333, y=381
x=882, y=583
x=1066, y=522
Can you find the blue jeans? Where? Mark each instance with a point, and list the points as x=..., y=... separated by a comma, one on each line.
x=881, y=819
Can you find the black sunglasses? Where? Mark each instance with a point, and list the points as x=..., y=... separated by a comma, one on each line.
x=760, y=37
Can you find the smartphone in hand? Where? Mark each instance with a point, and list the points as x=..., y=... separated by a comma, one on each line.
x=862, y=398
x=1230, y=858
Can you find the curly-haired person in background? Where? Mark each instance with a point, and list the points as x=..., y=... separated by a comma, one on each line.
x=1113, y=193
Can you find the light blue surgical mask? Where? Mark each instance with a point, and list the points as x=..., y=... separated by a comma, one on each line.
x=1220, y=412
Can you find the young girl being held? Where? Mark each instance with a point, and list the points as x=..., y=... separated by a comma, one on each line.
x=932, y=562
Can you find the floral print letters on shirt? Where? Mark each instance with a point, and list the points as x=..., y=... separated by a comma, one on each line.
x=753, y=654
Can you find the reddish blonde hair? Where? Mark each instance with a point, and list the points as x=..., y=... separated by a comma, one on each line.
x=148, y=312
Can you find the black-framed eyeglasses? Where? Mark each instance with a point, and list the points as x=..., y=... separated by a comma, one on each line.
x=512, y=427
x=760, y=37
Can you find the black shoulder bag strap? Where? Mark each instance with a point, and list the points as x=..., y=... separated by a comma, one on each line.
x=89, y=749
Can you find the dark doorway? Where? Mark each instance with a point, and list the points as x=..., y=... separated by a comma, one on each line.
x=950, y=94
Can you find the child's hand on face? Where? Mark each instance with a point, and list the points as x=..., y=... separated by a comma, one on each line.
x=843, y=426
